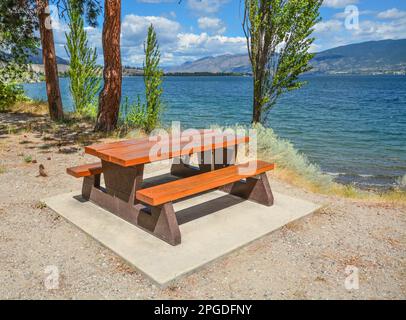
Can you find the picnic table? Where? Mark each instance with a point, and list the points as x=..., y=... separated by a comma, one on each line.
x=151, y=208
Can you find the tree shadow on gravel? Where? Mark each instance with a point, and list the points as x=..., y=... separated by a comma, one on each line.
x=61, y=135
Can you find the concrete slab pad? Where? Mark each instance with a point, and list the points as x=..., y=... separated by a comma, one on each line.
x=212, y=225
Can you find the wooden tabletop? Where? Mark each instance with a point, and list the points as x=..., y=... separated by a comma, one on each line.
x=145, y=150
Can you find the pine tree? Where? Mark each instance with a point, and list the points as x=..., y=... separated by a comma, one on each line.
x=152, y=80
x=83, y=71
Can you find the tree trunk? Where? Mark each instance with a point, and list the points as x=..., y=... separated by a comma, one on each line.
x=49, y=60
x=256, y=115
x=110, y=96
x=257, y=88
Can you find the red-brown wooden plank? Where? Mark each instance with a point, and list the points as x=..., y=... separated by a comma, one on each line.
x=138, y=152
x=139, y=157
x=85, y=170
x=182, y=188
x=103, y=150
x=171, y=143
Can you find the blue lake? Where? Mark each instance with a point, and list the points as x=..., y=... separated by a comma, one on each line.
x=353, y=127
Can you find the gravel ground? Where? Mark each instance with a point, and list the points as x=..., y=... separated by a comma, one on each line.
x=306, y=259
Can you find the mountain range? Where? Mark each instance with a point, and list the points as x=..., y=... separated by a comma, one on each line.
x=385, y=56
x=373, y=57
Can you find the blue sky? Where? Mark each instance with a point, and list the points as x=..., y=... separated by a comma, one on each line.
x=198, y=28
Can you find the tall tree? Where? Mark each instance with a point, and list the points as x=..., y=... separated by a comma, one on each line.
x=110, y=96
x=83, y=71
x=278, y=39
x=146, y=115
x=49, y=60
x=152, y=79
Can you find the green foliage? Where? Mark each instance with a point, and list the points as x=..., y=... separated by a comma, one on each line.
x=89, y=8
x=17, y=40
x=18, y=22
x=28, y=159
x=134, y=114
x=146, y=116
x=278, y=36
x=152, y=80
x=10, y=93
x=85, y=75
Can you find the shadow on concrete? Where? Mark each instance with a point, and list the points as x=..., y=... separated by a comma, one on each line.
x=206, y=208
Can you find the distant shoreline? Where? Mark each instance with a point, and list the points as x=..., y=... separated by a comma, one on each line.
x=208, y=74
x=250, y=75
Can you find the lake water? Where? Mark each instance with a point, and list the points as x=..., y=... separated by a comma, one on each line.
x=353, y=127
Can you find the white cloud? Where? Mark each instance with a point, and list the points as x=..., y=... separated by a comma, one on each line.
x=329, y=34
x=328, y=26
x=176, y=46
x=134, y=29
x=214, y=25
x=203, y=44
x=373, y=30
x=206, y=6
x=393, y=13
x=338, y=3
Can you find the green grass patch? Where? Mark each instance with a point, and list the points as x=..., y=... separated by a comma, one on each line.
x=27, y=159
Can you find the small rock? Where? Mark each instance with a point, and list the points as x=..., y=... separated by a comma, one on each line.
x=42, y=172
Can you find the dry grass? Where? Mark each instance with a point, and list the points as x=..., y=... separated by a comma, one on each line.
x=35, y=107
x=32, y=116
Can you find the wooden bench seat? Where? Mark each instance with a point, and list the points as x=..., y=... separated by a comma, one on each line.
x=85, y=170
x=182, y=188
x=162, y=219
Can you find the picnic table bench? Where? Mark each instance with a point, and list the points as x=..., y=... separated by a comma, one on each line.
x=151, y=208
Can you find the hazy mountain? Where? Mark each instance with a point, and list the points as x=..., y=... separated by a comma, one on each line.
x=367, y=57
x=223, y=63
x=37, y=58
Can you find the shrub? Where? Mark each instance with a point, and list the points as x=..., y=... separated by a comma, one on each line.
x=291, y=165
x=28, y=159
x=10, y=93
x=284, y=154
x=134, y=115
